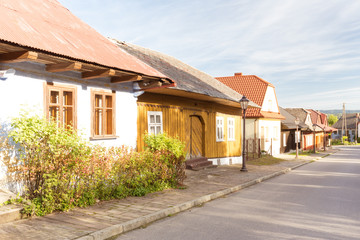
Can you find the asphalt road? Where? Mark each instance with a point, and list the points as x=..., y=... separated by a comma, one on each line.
x=320, y=200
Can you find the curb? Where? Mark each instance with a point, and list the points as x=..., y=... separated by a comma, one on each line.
x=142, y=221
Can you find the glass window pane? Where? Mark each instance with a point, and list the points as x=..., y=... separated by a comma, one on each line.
x=152, y=130
x=68, y=98
x=108, y=101
x=98, y=122
x=54, y=113
x=158, y=119
x=158, y=129
x=68, y=116
x=152, y=119
x=54, y=97
x=98, y=101
x=109, y=122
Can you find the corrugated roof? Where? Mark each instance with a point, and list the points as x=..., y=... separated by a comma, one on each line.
x=254, y=88
x=48, y=26
x=187, y=77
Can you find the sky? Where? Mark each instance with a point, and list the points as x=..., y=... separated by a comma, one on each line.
x=308, y=49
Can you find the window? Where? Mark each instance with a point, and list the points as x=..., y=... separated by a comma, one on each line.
x=231, y=129
x=219, y=129
x=60, y=104
x=284, y=139
x=155, y=123
x=103, y=114
x=267, y=134
x=276, y=133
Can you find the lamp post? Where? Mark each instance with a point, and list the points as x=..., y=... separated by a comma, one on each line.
x=297, y=121
x=314, y=126
x=244, y=102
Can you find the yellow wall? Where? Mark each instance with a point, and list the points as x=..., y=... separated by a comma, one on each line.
x=176, y=115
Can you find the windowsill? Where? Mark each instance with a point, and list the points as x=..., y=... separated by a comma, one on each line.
x=103, y=137
x=231, y=140
x=220, y=140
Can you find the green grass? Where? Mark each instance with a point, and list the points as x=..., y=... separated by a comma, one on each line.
x=265, y=160
x=304, y=153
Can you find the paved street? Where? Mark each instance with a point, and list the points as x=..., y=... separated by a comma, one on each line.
x=317, y=201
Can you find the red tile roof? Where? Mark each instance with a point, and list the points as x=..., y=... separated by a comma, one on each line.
x=47, y=26
x=254, y=88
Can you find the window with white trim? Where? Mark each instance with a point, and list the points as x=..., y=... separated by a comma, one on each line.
x=155, y=123
x=231, y=129
x=276, y=133
x=284, y=140
x=219, y=129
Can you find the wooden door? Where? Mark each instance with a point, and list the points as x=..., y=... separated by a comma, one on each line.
x=196, y=137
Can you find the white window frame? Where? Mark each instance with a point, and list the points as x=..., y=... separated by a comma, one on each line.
x=220, y=129
x=276, y=133
x=155, y=113
x=284, y=139
x=231, y=127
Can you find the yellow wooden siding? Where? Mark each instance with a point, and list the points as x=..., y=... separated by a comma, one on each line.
x=176, y=113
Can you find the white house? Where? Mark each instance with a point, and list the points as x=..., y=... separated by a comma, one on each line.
x=264, y=123
x=55, y=64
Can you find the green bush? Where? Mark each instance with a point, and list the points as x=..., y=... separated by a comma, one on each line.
x=172, y=152
x=59, y=170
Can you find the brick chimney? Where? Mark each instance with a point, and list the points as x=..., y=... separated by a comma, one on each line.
x=238, y=74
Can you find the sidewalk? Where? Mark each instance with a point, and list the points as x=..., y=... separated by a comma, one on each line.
x=110, y=218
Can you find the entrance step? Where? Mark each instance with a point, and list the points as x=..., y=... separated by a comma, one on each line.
x=197, y=164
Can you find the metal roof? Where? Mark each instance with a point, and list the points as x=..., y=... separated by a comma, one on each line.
x=48, y=26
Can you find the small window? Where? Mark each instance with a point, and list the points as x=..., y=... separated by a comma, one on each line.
x=231, y=129
x=219, y=129
x=276, y=133
x=284, y=140
x=103, y=114
x=60, y=104
x=155, y=122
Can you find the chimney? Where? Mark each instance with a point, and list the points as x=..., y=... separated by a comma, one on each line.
x=238, y=74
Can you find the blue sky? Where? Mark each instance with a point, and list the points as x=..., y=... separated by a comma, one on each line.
x=309, y=49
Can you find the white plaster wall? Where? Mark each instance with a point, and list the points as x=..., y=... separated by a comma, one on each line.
x=20, y=92
x=25, y=90
x=270, y=102
x=273, y=134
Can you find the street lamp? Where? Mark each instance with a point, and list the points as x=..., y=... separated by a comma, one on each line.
x=297, y=121
x=244, y=102
x=314, y=126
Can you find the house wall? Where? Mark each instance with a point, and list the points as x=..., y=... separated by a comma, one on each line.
x=176, y=112
x=270, y=102
x=288, y=141
x=308, y=140
x=269, y=130
x=25, y=90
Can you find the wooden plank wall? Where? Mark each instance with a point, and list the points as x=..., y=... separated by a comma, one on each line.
x=176, y=122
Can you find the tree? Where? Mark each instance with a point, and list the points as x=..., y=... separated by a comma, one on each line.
x=332, y=119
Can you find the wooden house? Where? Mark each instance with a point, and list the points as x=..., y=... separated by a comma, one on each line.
x=289, y=137
x=200, y=110
x=347, y=126
x=264, y=122
x=323, y=131
x=59, y=66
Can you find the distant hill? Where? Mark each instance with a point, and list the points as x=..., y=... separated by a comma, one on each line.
x=338, y=111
